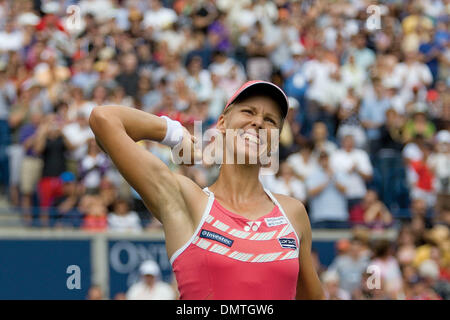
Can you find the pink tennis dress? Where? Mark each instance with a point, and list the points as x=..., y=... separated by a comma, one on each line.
x=231, y=257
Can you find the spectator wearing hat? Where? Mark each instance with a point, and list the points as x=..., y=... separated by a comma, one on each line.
x=64, y=211
x=150, y=287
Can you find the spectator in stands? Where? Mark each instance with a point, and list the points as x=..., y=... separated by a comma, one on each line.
x=291, y=136
x=371, y=288
x=350, y=124
x=373, y=111
x=356, y=166
x=31, y=169
x=332, y=288
x=51, y=144
x=419, y=124
x=7, y=96
x=302, y=162
x=19, y=115
x=129, y=77
x=78, y=133
x=376, y=214
x=320, y=137
x=421, y=177
x=388, y=269
x=391, y=133
x=438, y=288
x=95, y=292
x=120, y=296
x=122, y=219
x=150, y=287
x=288, y=184
x=439, y=162
x=108, y=193
x=326, y=192
x=95, y=214
x=92, y=167
x=350, y=266
x=64, y=211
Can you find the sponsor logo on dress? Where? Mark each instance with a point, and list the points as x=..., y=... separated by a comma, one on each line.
x=287, y=243
x=216, y=237
x=275, y=221
x=252, y=225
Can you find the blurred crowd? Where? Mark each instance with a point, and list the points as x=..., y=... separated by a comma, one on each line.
x=366, y=143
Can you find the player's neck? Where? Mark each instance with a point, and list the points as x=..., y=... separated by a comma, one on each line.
x=238, y=182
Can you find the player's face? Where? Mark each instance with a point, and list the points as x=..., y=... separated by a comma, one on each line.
x=252, y=122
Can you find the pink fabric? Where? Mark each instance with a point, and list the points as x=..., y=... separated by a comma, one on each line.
x=254, y=266
x=248, y=84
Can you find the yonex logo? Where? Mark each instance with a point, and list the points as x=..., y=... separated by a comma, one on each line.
x=253, y=225
x=216, y=237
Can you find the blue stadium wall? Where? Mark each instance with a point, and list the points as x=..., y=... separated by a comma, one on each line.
x=37, y=269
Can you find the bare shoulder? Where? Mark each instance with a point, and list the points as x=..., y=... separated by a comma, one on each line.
x=195, y=198
x=296, y=213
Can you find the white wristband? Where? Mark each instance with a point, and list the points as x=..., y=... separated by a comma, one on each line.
x=174, y=132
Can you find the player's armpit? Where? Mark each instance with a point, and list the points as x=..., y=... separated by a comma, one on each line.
x=147, y=174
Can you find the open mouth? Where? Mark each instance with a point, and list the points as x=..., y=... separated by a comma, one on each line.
x=251, y=137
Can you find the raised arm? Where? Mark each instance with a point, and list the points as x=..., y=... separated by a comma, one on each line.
x=117, y=129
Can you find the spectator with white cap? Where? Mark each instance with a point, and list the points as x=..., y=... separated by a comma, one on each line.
x=150, y=287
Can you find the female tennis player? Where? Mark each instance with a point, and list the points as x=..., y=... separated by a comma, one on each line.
x=234, y=239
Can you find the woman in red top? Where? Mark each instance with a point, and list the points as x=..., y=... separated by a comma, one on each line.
x=233, y=240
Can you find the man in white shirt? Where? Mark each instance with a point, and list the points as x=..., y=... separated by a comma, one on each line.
x=355, y=164
x=150, y=287
x=159, y=17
